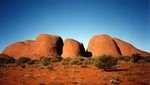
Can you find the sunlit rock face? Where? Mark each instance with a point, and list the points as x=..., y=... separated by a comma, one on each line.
x=128, y=49
x=106, y=45
x=52, y=45
x=44, y=45
x=103, y=45
x=72, y=48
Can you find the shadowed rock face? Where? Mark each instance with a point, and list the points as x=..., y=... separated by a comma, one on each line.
x=128, y=49
x=72, y=48
x=103, y=45
x=44, y=45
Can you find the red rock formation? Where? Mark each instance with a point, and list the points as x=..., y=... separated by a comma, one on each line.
x=128, y=49
x=49, y=45
x=44, y=45
x=103, y=45
x=72, y=48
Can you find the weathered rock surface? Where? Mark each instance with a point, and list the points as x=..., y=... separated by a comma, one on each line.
x=44, y=45
x=49, y=45
x=72, y=48
x=103, y=45
x=127, y=49
x=52, y=45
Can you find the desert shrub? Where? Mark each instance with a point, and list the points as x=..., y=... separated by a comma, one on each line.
x=30, y=62
x=135, y=58
x=84, y=64
x=126, y=58
x=65, y=61
x=147, y=59
x=120, y=57
x=89, y=61
x=55, y=59
x=44, y=61
x=23, y=60
x=36, y=61
x=6, y=60
x=105, y=62
x=50, y=67
x=76, y=61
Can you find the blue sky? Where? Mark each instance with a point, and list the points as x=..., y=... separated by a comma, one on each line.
x=128, y=20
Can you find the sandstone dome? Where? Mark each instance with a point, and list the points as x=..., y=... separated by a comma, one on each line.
x=128, y=49
x=72, y=48
x=49, y=45
x=44, y=45
x=103, y=45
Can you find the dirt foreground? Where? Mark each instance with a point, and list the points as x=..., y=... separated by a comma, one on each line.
x=127, y=74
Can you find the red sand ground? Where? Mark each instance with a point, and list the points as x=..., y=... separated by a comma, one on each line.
x=129, y=74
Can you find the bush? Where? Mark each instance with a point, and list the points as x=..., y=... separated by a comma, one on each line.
x=84, y=64
x=126, y=58
x=31, y=62
x=65, y=61
x=135, y=58
x=105, y=62
x=76, y=61
x=23, y=60
x=88, y=61
x=55, y=59
x=45, y=61
x=147, y=59
x=6, y=60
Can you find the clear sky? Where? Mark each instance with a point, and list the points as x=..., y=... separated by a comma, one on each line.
x=128, y=20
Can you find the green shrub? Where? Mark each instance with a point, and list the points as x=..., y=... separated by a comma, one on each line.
x=76, y=61
x=6, y=60
x=84, y=64
x=126, y=58
x=23, y=60
x=45, y=61
x=105, y=62
x=135, y=58
x=56, y=59
x=89, y=61
x=31, y=62
x=65, y=61
x=147, y=59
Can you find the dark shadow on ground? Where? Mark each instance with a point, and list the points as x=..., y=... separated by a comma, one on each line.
x=112, y=70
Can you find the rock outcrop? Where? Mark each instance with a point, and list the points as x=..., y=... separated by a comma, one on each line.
x=49, y=45
x=127, y=49
x=44, y=45
x=52, y=45
x=72, y=48
x=103, y=45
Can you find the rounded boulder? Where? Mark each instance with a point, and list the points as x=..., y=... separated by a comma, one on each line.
x=72, y=48
x=103, y=45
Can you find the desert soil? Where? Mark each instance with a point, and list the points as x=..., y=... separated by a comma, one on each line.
x=128, y=74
